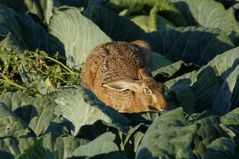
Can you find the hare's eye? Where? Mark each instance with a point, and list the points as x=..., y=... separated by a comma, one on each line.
x=147, y=91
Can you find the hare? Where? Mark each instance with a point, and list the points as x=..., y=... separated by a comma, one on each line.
x=117, y=74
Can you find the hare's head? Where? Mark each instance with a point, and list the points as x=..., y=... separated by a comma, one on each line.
x=148, y=93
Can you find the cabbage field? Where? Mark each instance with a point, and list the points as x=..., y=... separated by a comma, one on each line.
x=46, y=114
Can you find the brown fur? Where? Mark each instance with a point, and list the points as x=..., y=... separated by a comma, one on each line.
x=113, y=60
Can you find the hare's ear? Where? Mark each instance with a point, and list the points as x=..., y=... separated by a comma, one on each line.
x=122, y=84
x=144, y=73
x=143, y=45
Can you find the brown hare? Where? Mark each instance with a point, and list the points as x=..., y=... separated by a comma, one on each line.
x=117, y=74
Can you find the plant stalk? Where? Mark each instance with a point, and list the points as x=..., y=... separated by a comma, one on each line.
x=11, y=83
x=58, y=62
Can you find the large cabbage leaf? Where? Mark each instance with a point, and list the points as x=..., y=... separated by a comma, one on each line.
x=118, y=28
x=44, y=107
x=151, y=23
x=80, y=112
x=11, y=124
x=39, y=150
x=163, y=138
x=66, y=145
x=221, y=148
x=74, y=35
x=196, y=45
x=208, y=82
x=101, y=145
x=210, y=14
x=172, y=134
x=153, y=61
x=11, y=147
x=223, y=101
x=21, y=30
x=230, y=123
x=164, y=7
x=46, y=146
x=36, y=112
x=43, y=9
x=14, y=100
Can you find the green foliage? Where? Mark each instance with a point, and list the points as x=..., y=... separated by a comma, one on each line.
x=34, y=72
x=45, y=113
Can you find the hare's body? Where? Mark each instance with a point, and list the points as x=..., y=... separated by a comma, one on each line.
x=111, y=61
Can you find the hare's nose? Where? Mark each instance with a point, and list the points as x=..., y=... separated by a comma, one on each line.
x=163, y=110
